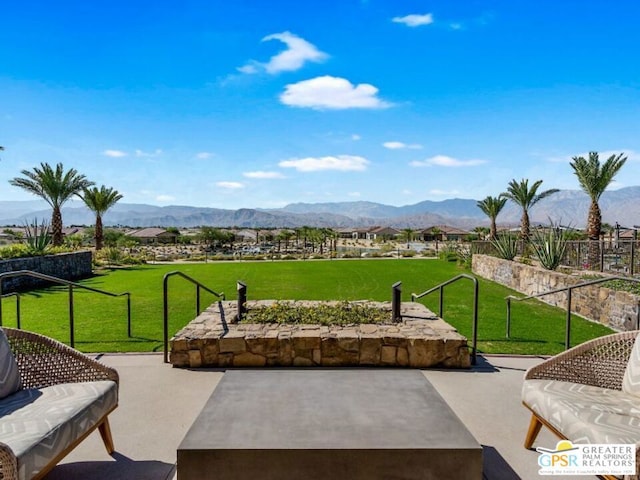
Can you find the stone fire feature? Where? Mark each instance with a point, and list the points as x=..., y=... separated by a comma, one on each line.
x=421, y=339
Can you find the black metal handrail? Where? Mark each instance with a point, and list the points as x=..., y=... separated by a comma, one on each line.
x=440, y=288
x=60, y=281
x=165, y=289
x=569, y=290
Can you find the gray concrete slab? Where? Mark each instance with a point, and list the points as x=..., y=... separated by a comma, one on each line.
x=338, y=423
x=158, y=404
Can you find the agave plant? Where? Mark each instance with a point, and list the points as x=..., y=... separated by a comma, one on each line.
x=506, y=246
x=549, y=246
x=38, y=237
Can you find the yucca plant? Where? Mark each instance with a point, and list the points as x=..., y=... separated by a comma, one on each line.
x=38, y=237
x=506, y=246
x=549, y=246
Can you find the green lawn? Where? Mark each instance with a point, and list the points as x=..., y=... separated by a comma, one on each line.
x=101, y=321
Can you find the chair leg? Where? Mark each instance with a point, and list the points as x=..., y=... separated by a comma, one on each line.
x=105, y=433
x=534, y=428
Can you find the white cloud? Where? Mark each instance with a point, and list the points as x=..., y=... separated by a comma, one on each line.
x=339, y=162
x=263, y=175
x=354, y=194
x=444, y=161
x=165, y=198
x=204, y=155
x=249, y=68
x=355, y=137
x=297, y=53
x=444, y=192
x=401, y=145
x=414, y=20
x=334, y=93
x=140, y=153
x=115, y=153
x=230, y=185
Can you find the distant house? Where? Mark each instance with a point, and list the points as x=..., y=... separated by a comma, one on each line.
x=443, y=233
x=382, y=233
x=154, y=236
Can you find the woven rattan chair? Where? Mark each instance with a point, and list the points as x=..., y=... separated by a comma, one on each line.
x=44, y=362
x=599, y=363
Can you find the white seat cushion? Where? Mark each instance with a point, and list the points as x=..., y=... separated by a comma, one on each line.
x=9, y=373
x=631, y=379
x=583, y=413
x=38, y=424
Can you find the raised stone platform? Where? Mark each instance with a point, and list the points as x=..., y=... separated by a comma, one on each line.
x=364, y=424
x=420, y=340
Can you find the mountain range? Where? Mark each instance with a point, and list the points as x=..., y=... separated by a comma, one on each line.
x=568, y=207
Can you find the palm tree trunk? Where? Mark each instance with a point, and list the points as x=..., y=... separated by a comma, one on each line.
x=493, y=232
x=99, y=235
x=56, y=226
x=594, y=225
x=524, y=227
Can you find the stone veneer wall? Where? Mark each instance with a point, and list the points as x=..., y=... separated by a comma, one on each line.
x=69, y=266
x=616, y=309
x=420, y=340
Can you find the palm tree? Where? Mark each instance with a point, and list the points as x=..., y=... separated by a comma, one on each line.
x=491, y=207
x=99, y=201
x=594, y=178
x=55, y=187
x=525, y=197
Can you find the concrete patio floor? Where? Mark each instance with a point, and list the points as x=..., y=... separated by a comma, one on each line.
x=158, y=404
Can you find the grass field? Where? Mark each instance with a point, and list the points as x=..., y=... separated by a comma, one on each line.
x=100, y=322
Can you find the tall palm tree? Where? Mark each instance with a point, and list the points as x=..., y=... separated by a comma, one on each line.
x=525, y=197
x=55, y=187
x=99, y=201
x=594, y=178
x=491, y=207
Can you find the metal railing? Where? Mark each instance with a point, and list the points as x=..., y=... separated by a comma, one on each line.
x=569, y=290
x=165, y=290
x=71, y=286
x=440, y=288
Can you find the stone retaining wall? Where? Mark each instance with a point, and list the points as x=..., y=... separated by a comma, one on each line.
x=420, y=340
x=68, y=266
x=616, y=309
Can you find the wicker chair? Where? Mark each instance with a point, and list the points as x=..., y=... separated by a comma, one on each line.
x=599, y=363
x=45, y=363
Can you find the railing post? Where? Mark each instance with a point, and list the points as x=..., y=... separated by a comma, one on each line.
x=638, y=316
x=129, y=314
x=72, y=337
x=633, y=257
x=18, y=311
x=441, y=309
x=1, y=301
x=197, y=300
x=165, y=319
x=508, y=317
x=475, y=321
x=242, y=299
x=396, y=301
x=601, y=254
x=567, y=337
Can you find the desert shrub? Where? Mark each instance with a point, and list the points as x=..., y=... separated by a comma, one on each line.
x=506, y=246
x=549, y=246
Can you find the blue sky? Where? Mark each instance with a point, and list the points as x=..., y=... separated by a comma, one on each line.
x=232, y=104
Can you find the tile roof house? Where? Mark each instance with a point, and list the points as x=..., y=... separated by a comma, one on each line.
x=151, y=236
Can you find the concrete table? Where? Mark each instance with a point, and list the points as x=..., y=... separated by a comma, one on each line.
x=335, y=423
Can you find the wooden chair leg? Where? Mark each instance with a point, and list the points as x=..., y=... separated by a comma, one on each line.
x=105, y=433
x=534, y=428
